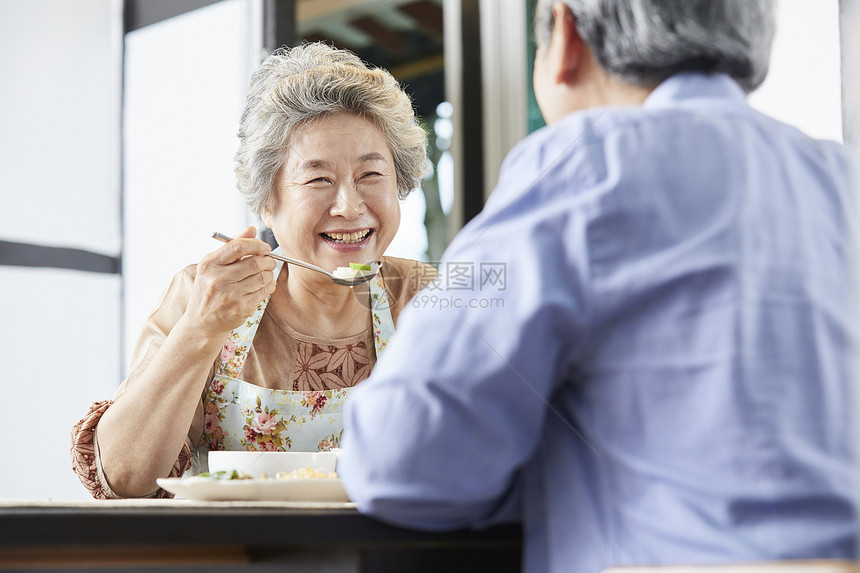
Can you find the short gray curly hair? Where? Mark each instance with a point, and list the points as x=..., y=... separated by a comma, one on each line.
x=294, y=86
x=644, y=42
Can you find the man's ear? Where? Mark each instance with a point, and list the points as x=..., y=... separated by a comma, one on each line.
x=572, y=46
x=265, y=215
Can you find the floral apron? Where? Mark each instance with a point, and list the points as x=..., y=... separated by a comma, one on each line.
x=242, y=416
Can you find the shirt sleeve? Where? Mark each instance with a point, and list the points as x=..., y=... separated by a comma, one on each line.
x=434, y=439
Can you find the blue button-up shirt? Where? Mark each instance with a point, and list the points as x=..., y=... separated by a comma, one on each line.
x=650, y=359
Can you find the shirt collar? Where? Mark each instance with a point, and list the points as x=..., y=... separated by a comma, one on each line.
x=690, y=85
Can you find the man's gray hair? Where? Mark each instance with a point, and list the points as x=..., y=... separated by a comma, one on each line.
x=643, y=42
x=295, y=86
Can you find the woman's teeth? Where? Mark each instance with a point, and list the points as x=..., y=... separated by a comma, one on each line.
x=347, y=237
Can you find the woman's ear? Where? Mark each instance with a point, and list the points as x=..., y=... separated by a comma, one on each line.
x=266, y=215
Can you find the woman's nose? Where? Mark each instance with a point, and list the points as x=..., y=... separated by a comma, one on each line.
x=349, y=203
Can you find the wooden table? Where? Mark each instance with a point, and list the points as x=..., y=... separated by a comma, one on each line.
x=236, y=536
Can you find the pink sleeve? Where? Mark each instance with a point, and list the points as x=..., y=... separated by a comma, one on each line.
x=85, y=456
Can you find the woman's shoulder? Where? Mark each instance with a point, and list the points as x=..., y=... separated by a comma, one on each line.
x=403, y=279
x=189, y=273
x=178, y=290
x=172, y=303
x=407, y=264
x=411, y=275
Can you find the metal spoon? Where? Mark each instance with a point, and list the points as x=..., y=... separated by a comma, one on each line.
x=366, y=276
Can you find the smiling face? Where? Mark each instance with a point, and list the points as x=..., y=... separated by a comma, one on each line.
x=336, y=196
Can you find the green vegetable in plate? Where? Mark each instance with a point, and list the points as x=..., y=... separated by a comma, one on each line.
x=359, y=267
x=224, y=474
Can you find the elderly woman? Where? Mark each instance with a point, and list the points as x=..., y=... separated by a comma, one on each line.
x=243, y=353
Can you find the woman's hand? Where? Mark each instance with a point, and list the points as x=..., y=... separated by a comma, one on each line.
x=230, y=283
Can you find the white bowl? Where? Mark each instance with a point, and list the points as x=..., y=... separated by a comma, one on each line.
x=255, y=464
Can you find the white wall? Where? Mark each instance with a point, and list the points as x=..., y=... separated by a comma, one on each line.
x=59, y=155
x=850, y=43
x=60, y=77
x=186, y=79
x=60, y=338
x=803, y=86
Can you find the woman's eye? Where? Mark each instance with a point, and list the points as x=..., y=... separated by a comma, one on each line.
x=371, y=174
x=319, y=181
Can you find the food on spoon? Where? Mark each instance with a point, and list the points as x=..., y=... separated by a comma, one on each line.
x=355, y=271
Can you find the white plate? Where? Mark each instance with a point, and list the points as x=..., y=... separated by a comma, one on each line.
x=211, y=489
